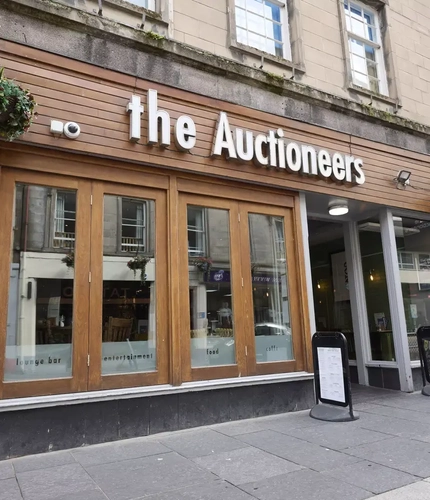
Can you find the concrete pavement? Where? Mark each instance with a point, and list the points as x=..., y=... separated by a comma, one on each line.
x=385, y=455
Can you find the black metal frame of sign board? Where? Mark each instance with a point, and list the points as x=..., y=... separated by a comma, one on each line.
x=326, y=409
x=423, y=334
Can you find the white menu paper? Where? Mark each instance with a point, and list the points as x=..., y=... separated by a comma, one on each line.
x=331, y=374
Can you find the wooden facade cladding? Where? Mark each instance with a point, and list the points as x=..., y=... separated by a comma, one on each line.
x=96, y=99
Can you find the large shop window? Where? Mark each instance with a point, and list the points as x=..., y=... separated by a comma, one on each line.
x=129, y=304
x=242, y=318
x=88, y=299
x=413, y=251
x=41, y=289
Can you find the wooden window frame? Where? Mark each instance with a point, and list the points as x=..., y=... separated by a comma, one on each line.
x=287, y=207
x=78, y=380
x=97, y=381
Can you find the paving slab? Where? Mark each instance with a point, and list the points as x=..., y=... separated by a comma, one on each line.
x=417, y=491
x=396, y=427
x=43, y=461
x=245, y=465
x=9, y=490
x=393, y=411
x=242, y=427
x=55, y=482
x=140, y=477
x=304, y=485
x=217, y=490
x=95, y=494
x=300, y=452
x=372, y=477
x=118, y=451
x=402, y=454
x=6, y=470
x=337, y=436
x=200, y=442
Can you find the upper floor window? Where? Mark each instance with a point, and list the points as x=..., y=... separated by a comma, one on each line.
x=65, y=219
x=147, y=4
x=133, y=226
x=406, y=260
x=365, y=47
x=263, y=25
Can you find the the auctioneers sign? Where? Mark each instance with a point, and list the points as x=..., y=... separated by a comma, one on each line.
x=265, y=150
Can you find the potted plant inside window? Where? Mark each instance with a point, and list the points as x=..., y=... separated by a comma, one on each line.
x=17, y=108
x=138, y=263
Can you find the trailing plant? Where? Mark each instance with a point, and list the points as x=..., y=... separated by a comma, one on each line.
x=138, y=263
x=17, y=108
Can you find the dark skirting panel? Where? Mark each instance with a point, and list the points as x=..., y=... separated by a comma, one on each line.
x=26, y=432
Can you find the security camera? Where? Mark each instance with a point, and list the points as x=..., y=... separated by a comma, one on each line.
x=72, y=130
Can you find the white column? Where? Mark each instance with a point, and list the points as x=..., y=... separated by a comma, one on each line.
x=395, y=296
x=307, y=259
x=358, y=300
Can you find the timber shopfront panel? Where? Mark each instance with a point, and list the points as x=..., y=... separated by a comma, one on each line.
x=88, y=298
x=163, y=246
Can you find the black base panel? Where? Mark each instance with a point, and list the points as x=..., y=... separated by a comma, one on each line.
x=387, y=378
x=27, y=432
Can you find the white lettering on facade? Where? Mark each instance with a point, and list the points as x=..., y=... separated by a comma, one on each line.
x=271, y=150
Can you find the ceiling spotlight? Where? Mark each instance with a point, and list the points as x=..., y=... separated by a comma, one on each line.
x=402, y=178
x=338, y=207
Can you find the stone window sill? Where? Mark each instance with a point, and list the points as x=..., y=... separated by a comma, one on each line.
x=130, y=7
x=373, y=95
x=280, y=61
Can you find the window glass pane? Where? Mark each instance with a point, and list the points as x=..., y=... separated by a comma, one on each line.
x=129, y=307
x=210, y=294
x=256, y=6
x=413, y=245
x=148, y=4
x=272, y=328
x=375, y=286
x=240, y=18
x=40, y=310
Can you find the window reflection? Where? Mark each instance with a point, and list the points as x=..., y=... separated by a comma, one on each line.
x=40, y=309
x=413, y=252
x=129, y=314
x=272, y=326
x=210, y=295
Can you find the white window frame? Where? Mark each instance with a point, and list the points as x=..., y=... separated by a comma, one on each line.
x=285, y=29
x=62, y=239
x=135, y=246
x=406, y=265
x=376, y=45
x=199, y=251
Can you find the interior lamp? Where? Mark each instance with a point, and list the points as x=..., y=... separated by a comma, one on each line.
x=338, y=207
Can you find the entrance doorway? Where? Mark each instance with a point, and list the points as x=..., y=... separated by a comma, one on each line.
x=330, y=282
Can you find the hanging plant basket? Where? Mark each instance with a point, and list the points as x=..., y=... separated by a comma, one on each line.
x=69, y=260
x=17, y=109
x=138, y=263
